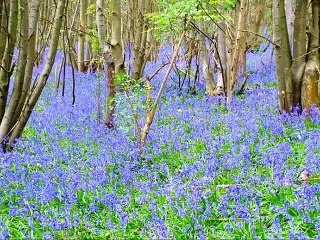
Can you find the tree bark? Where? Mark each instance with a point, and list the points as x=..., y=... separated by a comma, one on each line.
x=4, y=11
x=7, y=120
x=291, y=17
x=299, y=48
x=221, y=60
x=101, y=23
x=32, y=36
x=140, y=8
x=5, y=72
x=283, y=56
x=82, y=37
x=114, y=60
x=239, y=39
x=311, y=76
x=35, y=94
x=207, y=70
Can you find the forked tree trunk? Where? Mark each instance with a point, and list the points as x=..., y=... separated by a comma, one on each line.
x=7, y=120
x=35, y=94
x=5, y=72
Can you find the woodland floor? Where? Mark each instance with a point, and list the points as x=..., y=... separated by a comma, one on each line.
x=209, y=170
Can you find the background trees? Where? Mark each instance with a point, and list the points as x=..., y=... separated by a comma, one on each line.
x=125, y=35
x=298, y=59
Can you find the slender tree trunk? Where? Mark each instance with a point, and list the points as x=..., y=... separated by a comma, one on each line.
x=101, y=23
x=90, y=50
x=283, y=56
x=114, y=60
x=290, y=17
x=311, y=75
x=32, y=36
x=5, y=72
x=207, y=70
x=82, y=37
x=4, y=11
x=221, y=60
x=35, y=94
x=255, y=21
x=46, y=13
x=299, y=47
x=151, y=110
x=140, y=8
x=238, y=44
x=71, y=38
x=1, y=5
x=7, y=120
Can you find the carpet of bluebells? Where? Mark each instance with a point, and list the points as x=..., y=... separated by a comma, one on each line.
x=209, y=170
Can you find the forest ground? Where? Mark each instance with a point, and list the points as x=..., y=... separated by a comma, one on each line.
x=209, y=170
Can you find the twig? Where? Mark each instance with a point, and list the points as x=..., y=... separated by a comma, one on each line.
x=134, y=112
x=313, y=50
x=259, y=35
x=158, y=70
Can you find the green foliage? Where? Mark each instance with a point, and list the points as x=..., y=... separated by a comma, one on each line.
x=172, y=15
x=92, y=38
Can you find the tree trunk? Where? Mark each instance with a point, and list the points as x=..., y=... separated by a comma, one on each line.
x=254, y=22
x=32, y=33
x=207, y=70
x=7, y=120
x=290, y=17
x=101, y=23
x=151, y=110
x=5, y=72
x=82, y=37
x=238, y=44
x=140, y=8
x=35, y=94
x=221, y=60
x=299, y=47
x=5, y=7
x=114, y=60
x=311, y=76
x=283, y=56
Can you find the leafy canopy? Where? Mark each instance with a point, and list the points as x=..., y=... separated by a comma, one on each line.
x=171, y=15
